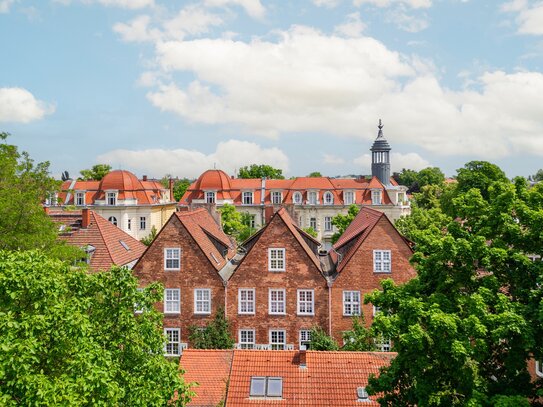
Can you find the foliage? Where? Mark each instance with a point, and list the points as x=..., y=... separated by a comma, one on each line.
x=315, y=174
x=180, y=186
x=215, y=335
x=480, y=175
x=96, y=173
x=320, y=340
x=416, y=180
x=538, y=176
x=236, y=224
x=72, y=338
x=359, y=338
x=311, y=232
x=147, y=240
x=342, y=222
x=260, y=171
x=406, y=177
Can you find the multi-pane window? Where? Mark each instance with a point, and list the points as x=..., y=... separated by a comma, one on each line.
x=172, y=259
x=351, y=303
x=305, y=339
x=113, y=220
x=297, y=198
x=376, y=197
x=328, y=198
x=202, y=301
x=247, y=198
x=246, y=301
x=328, y=223
x=312, y=197
x=210, y=197
x=143, y=223
x=80, y=198
x=277, y=339
x=172, y=301
x=276, y=259
x=111, y=198
x=305, y=302
x=313, y=223
x=277, y=197
x=173, y=341
x=246, y=338
x=348, y=197
x=277, y=303
x=381, y=261
x=383, y=344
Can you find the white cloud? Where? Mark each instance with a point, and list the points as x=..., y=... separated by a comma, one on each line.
x=228, y=156
x=137, y=30
x=398, y=161
x=389, y=3
x=254, y=8
x=129, y=4
x=407, y=22
x=352, y=27
x=326, y=3
x=333, y=159
x=19, y=105
x=5, y=5
x=529, y=18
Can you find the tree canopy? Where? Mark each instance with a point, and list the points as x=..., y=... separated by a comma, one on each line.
x=179, y=186
x=215, y=335
x=260, y=171
x=416, y=180
x=315, y=174
x=236, y=224
x=342, y=222
x=96, y=173
x=72, y=338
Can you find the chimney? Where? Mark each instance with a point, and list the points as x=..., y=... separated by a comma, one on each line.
x=145, y=177
x=171, y=190
x=85, y=218
x=303, y=363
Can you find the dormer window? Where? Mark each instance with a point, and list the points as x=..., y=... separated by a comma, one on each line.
x=328, y=198
x=297, y=198
x=210, y=197
x=247, y=197
x=312, y=197
x=376, y=197
x=276, y=197
x=348, y=197
x=80, y=198
x=111, y=198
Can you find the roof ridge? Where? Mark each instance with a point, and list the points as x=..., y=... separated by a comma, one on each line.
x=93, y=215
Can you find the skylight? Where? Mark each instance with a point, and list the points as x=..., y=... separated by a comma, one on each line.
x=266, y=387
x=362, y=394
x=123, y=244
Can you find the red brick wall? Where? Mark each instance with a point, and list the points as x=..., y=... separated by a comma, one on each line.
x=196, y=272
x=301, y=273
x=358, y=275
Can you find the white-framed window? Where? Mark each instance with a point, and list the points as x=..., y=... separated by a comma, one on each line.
x=172, y=300
x=305, y=339
x=276, y=259
x=129, y=224
x=276, y=197
x=267, y=387
x=278, y=339
x=297, y=198
x=306, y=302
x=328, y=198
x=80, y=198
x=376, y=310
x=172, y=258
x=202, y=301
x=247, y=198
x=173, y=341
x=246, y=301
x=313, y=223
x=382, y=261
x=348, y=197
x=383, y=345
x=539, y=368
x=246, y=338
x=351, y=303
x=143, y=223
x=327, y=223
x=376, y=197
x=113, y=220
x=312, y=197
x=277, y=301
x=210, y=196
x=111, y=198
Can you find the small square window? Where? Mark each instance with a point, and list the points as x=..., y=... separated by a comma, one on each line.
x=276, y=259
x=246, y=338
x=172, y=259
x=381, y=261
x=210, y=197
x=277, y=339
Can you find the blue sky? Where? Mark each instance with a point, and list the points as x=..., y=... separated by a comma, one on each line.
x=177, y=87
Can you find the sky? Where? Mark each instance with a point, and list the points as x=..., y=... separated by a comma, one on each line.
x=177, y=87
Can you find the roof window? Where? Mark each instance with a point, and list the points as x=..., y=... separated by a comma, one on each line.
x=123, y=244
x=266, y=387
x=362, y=394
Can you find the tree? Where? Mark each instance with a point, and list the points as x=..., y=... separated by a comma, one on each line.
x=430, y=176
x=407, y=177
x=147, y=240
x=260, y=171
x=479, y=175
x=179, y=186
x=215, y=335
x=96, y=173
x=315, y=174
x=311, y=232
x=359, y=338
x=538, y=176
x=236, y=224
x=342, y=222
x=72, y=338
x=320, y=340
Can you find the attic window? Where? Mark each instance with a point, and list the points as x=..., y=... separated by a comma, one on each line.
x=123, y=244
x=362, y=394
x=266, y=387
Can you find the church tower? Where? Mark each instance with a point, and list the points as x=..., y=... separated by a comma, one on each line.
x=380, y=157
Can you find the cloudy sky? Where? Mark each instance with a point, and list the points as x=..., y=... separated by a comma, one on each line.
x=177, y=87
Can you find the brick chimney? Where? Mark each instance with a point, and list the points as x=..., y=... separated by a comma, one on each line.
x=85, y=218
x=303, y=362
x=145, y=177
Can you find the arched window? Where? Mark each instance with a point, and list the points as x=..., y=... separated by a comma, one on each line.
x=297, y=198
x=113, y=220
x=328, y=198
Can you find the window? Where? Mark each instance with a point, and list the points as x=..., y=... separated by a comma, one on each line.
x=351, y=303
x=202, y=301
x=305, y=339
x=362, y=394
x=247, y=198
x=376, y=197
x=382, y=344
x=172, y=259
x=277, y=301
x=172, y=301
x=305, y=302
x=210, y=197
x=111, y=198
x=328, y=198
x=143, y=223
x=381, y=261
x=249, y=220
x=113, y=220
x=277, y=339
x=313, y=223
x=173, y=342
x=312, y=197
x=246, y=301
x=277, y=197
x=327, y=223
x=297, y=198
x=376, y=310
x=539, y=368
x=348, y=197
x=80, y=198
x=266, y=387
x=129, y=224
x=246, y=338
x=276, y=259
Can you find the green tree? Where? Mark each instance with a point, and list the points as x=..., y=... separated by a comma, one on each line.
x=215, y=335
x=72, y=338
x=150, y=237
x=359, y=338
x=479, y=175
x=406, y=177
x=311, y=232
x=96, y=173
x=320, y=340
x=342, y=222
x=179, y=186
x=315, y=174
x=430, y=176
x=538, y=176
x=260, y=171
x=236, y=224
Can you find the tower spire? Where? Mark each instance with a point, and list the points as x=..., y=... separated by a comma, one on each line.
x=380, y=126
x=380, y=157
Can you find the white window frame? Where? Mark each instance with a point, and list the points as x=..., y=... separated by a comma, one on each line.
x=313, y=223
x=305, y=307
x=246, y=344
x=172, y=305
x=111, y=198
x=80, y=198
x=143, y=222
x=351, y=197
x=297, y=198
x=539, y=368
x=383, y=345
x=276, y=197
x=376, y=197
x=380, y=263
x=328, y=198
x=202, y=303
x=246, y=306
x=173, y=343
x=277, y=259
x=210, y=197
x=112, y=220
x=247, y=194
x=279, y=332
x=277, y=303
x=328, y=227
x=178, y=258
x=350, y=301
x=376, y=310
x=304, y=338
x=310, y=196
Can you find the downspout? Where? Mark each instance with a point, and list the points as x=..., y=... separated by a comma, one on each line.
x=329, y=284
x=263, y=200
x=225, y=283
